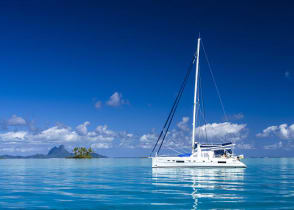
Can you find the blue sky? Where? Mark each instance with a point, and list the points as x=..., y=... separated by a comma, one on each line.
x=59, y=58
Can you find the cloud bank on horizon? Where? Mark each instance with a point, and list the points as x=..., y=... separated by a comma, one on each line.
x=24, y=140
x=104, y=138
x=19, y=138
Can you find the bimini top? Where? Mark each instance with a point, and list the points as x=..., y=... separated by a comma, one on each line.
x=185, y=155
x=215, y=146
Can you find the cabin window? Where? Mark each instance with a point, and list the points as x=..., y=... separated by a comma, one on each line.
x=218, y=153
x=222, y=162
x=222, y=152
x=229, y=151
x=180, y=161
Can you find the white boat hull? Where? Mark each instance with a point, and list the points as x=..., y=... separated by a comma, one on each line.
x=165, y=162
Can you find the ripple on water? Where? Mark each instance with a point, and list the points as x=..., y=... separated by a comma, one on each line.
x=129, y=183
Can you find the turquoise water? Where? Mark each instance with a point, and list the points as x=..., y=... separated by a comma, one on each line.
x=133, y=184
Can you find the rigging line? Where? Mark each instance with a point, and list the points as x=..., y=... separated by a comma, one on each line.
x=170, y=113
x=205, y=130
x=173, y=107
x=165, y=133
x=217, y=90
x=178, y=148
x=173, y=150
x=199, y=112
x=169, y=124
x=174, y=111
x=202, y=104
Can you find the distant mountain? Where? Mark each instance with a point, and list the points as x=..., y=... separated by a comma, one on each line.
x=59, y=152
x=95, y=155
x=55, y=152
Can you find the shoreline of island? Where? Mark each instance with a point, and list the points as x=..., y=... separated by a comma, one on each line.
x=56, y=152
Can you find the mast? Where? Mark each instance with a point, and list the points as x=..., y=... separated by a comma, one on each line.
x=195, y=95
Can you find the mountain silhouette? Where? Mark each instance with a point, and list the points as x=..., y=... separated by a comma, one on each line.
x=59, y=152
x=55, y=152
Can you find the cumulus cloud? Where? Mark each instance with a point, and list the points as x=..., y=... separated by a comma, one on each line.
x=103, y=130
x=282, y=131
x=116, y=99
x=15, y=121
x=13, y=136
x=183, y=124
x=127, y=140
x=58, y=133
x=245, y=146
x=104, y=138
x=18, y=149
x=148, y=140
x=82, y=129
x=179, y=138
x=274, y=146
x=101, y=137
x=100, y=146
x=223, y=131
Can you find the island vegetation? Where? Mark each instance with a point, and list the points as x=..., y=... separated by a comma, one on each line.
x=82, y=152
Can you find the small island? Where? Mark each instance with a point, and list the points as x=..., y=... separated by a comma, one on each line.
x=59, y=152
x=82, y=152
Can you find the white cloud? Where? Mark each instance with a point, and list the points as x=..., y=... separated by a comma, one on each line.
x=268, y=131
x=180, y=137
x=148, y=140
x=116, y=100
x=98, y=104
x=58, y=133
x=245, y=146
x=274, y=146
x=282, y=131
x=13, y=136
x=127, y=140
x=100, y=146
x=82, y=129
x=183, y=124
x=102, y=136
x=15, y=120
x=18, y=149
x=223, y=131
x=103, y=130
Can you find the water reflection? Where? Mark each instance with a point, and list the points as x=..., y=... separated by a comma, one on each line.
x=203, y=183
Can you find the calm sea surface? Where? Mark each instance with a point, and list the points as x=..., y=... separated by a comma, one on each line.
x=133, y=184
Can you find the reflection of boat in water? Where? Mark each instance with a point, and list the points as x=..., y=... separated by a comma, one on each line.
x=212, y=183
x=205, y=176
x=203, y=155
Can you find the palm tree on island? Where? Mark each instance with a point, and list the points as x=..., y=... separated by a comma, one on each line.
x=82, y=152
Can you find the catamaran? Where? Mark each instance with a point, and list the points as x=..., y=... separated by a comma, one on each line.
x=202, y=155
